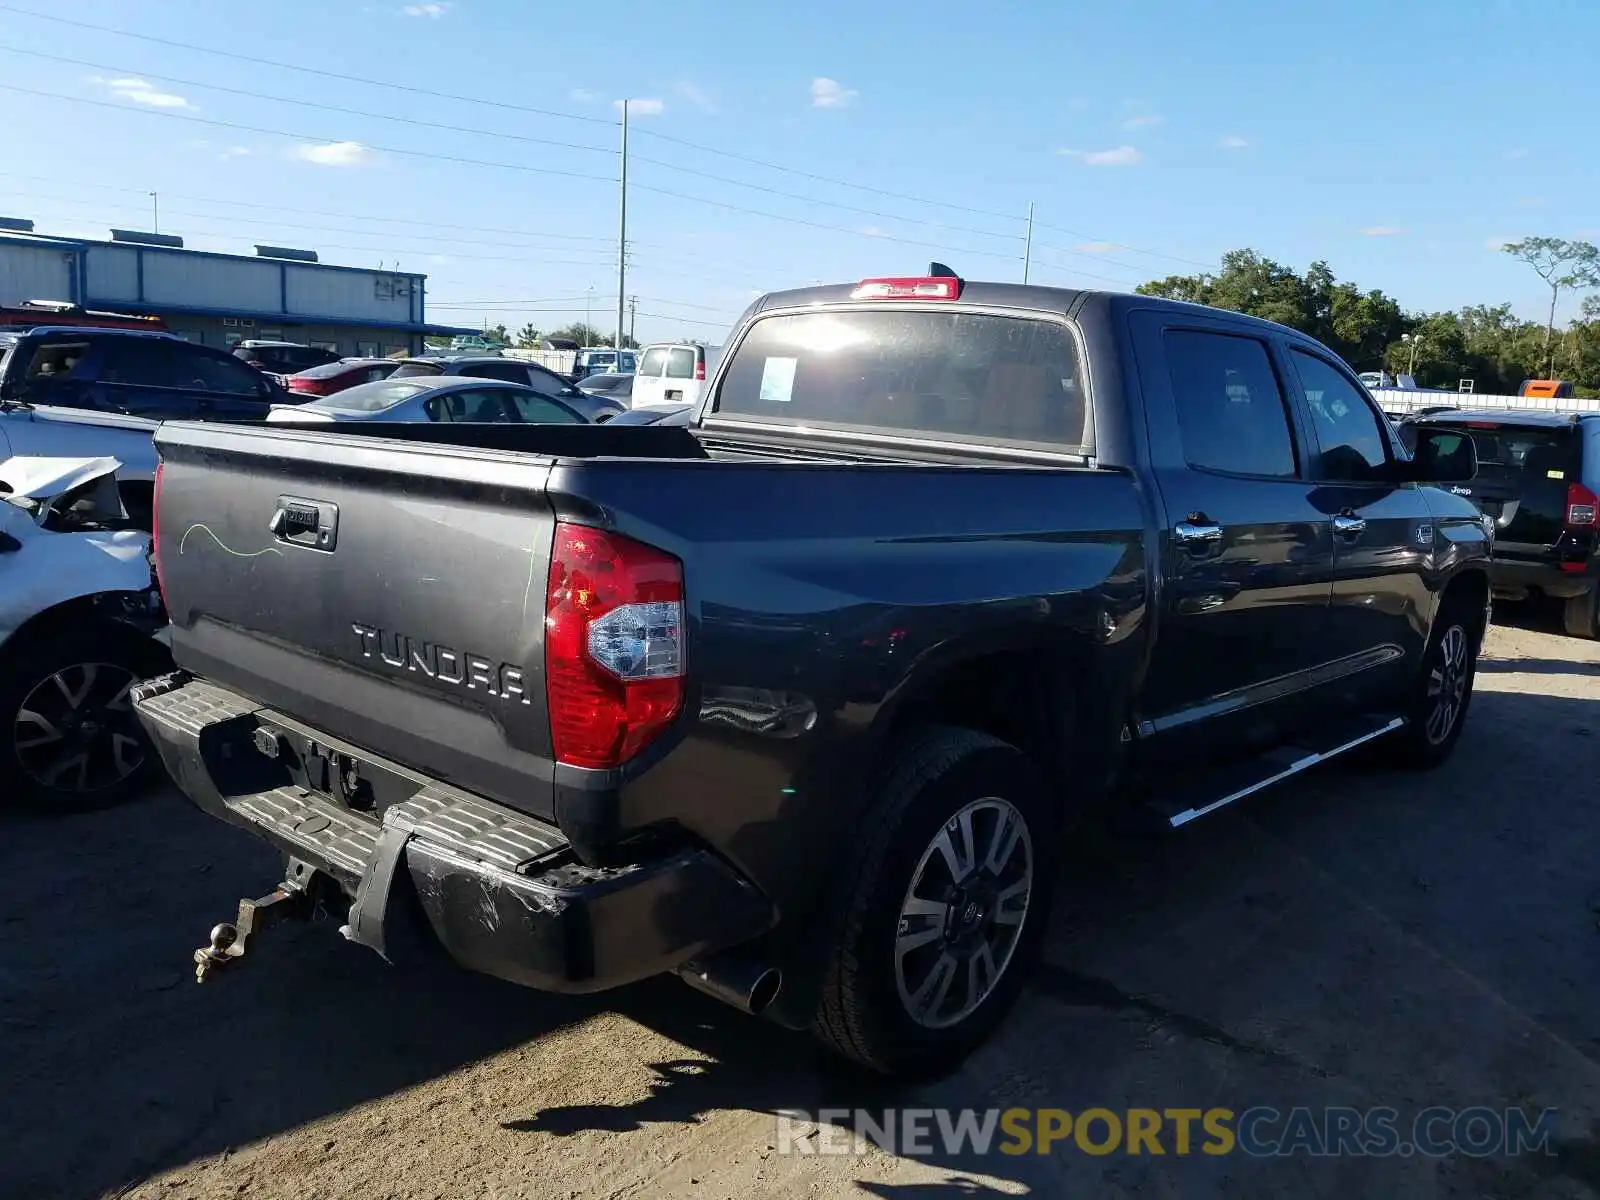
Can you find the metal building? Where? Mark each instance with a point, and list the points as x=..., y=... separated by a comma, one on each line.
x=220, y=299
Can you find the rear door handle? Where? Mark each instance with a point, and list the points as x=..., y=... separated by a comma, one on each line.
x=1349, y=526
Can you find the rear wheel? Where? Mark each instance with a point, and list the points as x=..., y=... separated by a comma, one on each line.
x=69, y=739
x=1581, y=616
x=949, y=892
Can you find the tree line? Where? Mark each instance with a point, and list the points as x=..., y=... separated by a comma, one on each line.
x=1368, y=329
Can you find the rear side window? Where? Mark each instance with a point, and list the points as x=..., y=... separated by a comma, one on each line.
x=146, y=362
x=410, y=369
x=652, y=361
x=1231, y=412
x=506, y=372
x=970, y=376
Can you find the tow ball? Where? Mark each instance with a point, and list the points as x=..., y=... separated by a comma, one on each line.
x=229, y=939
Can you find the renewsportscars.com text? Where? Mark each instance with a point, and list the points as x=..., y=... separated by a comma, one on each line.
x=1259, y=1131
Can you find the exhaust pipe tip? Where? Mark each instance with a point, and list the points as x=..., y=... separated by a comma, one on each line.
x=748, y=986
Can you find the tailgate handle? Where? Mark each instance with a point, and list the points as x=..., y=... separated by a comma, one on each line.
x=310, y=523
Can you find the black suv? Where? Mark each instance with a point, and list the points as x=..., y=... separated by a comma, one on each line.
x=152, y=375
x=282, y=358
x=1538, y=475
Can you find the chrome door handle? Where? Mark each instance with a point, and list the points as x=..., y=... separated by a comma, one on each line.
x=1348, y=526
x=1197, y=534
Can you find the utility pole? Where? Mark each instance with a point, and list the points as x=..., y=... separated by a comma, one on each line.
x=622, y=230
x=155, y=213
x=633, y=317
x=588, y=308
x=1027, y=245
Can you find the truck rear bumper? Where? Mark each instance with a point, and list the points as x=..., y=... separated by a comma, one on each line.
x=502, y=892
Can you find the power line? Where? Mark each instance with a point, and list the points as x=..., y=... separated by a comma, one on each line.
x=335, y=108
x=356, y=112
x=756, y=187
x=288, y=66
x=309, y=137
x=568, y=237
x=860, y=187
x=390, y=84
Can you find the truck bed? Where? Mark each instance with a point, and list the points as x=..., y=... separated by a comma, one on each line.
x=412, y=623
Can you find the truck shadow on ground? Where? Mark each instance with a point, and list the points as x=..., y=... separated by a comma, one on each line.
x=120, y=1066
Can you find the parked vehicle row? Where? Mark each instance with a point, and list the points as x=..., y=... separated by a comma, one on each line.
x=798, y=690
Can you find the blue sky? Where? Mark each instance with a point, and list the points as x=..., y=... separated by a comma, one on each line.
x=1397, y=141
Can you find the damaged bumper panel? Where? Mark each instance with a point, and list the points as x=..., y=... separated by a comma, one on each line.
x=502, y=892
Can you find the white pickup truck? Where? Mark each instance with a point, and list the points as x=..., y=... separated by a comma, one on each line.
x=37, y=431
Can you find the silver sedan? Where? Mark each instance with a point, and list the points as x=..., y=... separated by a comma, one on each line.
x=433, y=398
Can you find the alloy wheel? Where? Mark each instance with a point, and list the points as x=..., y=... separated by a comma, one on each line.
x=1447, y=684
x=76, y=730
x=963, y=913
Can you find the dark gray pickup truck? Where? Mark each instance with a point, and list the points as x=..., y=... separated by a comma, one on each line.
x=799, y=700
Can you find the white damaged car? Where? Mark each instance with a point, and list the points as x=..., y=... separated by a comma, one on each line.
x=78, y=611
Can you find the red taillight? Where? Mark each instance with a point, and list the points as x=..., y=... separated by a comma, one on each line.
x=310, y=387
x=700, y=370
x=155, y=531
x=932, y=287
x=1581, y=505
x=613, y=645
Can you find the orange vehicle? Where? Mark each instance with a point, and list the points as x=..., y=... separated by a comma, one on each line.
x=31, y=314
x=1547, y=389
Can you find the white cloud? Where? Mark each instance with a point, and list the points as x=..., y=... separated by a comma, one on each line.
x=830, y=93
x=237, y=152
x=426, y=10
x=1382, y=231
x=140, y=91
x=583, y=95
x=647, y=107
x=1232, y=142
x=695, y=95
x=1498, y=244
x=335, y=154
x=874, y=231
x=1096, y=247
x=1119, y=156
x=1141, y=122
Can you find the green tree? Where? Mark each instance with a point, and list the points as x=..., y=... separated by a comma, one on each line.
x=1561, y=264
x=528, y=337
x=582, y=333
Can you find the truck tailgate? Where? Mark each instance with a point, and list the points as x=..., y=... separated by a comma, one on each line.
x=388, y=590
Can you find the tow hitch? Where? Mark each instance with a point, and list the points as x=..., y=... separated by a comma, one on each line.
x=229, y=939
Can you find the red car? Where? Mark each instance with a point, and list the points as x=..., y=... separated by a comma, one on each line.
x=336, y=376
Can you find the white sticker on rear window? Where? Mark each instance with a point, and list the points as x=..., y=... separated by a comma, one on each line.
x=777, y=379
x=1555, y=474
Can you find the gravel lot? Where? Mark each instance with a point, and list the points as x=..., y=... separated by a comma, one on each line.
x=1359, y=938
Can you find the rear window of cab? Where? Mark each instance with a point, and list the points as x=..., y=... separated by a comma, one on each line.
x=970, y=377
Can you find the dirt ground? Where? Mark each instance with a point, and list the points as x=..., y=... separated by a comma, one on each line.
x=1358, y=938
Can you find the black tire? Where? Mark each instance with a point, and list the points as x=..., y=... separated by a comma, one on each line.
x=69, y=687
x=1581, y=615
x=1428, y=738
x=935, y=776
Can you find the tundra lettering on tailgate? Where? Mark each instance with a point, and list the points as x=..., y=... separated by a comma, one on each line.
x=405, y=653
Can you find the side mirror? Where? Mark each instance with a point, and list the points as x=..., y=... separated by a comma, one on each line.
x=1443, y=456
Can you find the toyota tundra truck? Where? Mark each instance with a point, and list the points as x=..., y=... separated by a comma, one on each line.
x=800, y=699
